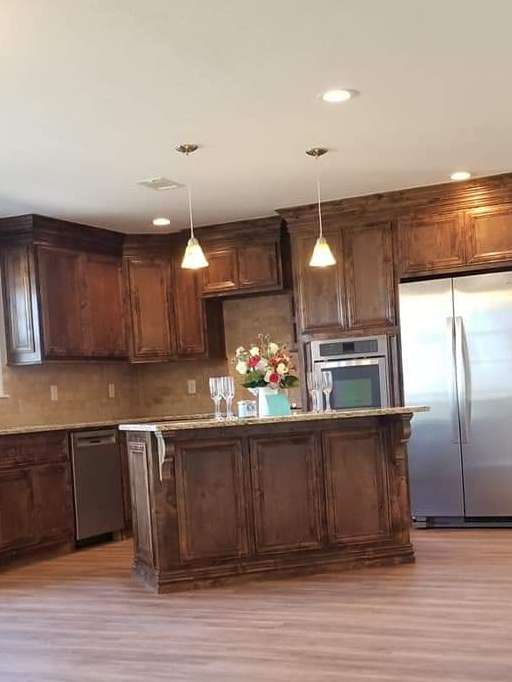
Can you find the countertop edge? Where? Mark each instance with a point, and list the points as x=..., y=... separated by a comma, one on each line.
x=178, y=425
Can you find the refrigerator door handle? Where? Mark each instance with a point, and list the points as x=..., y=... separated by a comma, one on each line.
x=463, y=379
x=452, y=361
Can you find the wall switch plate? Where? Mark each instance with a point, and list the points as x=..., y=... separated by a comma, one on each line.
x=191, y=386
x=111, y=391
x=54, y=393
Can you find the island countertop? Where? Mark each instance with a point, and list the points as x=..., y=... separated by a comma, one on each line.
x=180, y=425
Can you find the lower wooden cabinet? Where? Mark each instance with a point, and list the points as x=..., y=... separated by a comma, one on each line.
x=36, y=500
x=285, y=473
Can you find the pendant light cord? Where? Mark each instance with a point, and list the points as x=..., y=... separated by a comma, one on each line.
x=189, y=193
x=321, y=234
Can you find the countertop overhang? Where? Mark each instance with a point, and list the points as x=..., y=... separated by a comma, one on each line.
x=172, y=426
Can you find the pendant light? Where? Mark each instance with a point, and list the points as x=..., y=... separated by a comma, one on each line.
x=322, y=256
x=193, y=258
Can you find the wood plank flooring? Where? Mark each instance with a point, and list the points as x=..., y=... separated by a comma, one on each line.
x=83, y=618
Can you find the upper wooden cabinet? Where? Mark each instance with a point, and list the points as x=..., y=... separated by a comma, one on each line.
x=320, y=292
x=356, y=293
x=150, y=304
x=430, y=242
x=243, y=257
x=221, y=275
x=369, y=275
x=489, y=234
x=63, y=296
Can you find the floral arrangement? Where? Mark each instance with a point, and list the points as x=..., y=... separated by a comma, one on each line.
x=265, y=364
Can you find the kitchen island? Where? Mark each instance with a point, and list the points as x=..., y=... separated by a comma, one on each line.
x=216, y=501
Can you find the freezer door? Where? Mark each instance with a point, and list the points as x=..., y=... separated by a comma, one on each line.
x=483, y=314
x=428, y=354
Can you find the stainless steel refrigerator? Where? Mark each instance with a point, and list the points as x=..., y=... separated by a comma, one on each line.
x=457, y=357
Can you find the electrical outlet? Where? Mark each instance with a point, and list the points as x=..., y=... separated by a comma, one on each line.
x=54, y=393
x=191, y=387
x=112, y=391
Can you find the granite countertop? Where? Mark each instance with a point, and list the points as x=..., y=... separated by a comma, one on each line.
x=40, y=428
x=184, y=424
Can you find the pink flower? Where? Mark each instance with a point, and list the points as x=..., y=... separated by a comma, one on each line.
x=274, y=378
x=253, y=361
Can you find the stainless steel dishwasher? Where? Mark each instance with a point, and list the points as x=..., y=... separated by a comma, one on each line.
x=97, y=484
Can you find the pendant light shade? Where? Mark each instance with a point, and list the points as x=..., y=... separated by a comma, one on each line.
x=193, y=258
x=322, y=256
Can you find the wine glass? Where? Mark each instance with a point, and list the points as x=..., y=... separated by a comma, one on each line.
x=315, y=391
x=327, y=389
x=228, y=393
x=216, y=395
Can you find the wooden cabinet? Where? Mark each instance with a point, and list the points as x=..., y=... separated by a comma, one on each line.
x=287, y=497
x=259, y=266
x=106, y=332
x=369, y=276
x=489, y=234
x=211, y=500
x=431, y=242
x=190, y=313
x=150, y=308
x=221, y=275
x=243, y=257
x=356, y=483
x=62, y=302
x=36, y=505
x=320, y=292
x=19, y=286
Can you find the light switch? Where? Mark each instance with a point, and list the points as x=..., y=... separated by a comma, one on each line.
x=191, y=387
x=54, y=393
x=112, y=391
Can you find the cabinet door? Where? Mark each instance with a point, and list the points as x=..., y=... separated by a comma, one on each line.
x=358, y=508
x=210, y=493
x=286, y=490
x=431, y=242
x=148, y=280
x=62, y=302
x=221, y=275
x=17, y=518
x=20, y=305
x=53, y=502
x=258, y=266
x=369, y=275
x=320, y=291
x=189, y=311
x=105, y=318
x=489, y=232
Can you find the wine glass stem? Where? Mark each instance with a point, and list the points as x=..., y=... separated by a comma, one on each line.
x=229, y=411
x=217, y=401
x=328, y=407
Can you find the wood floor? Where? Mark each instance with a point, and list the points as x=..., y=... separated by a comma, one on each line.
x=82, y=618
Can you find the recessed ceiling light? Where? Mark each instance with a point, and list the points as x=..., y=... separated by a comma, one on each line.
x=161, y=222
x=337, y=95
x=460, y=175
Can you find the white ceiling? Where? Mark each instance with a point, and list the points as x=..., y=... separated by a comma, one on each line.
x=95, y=94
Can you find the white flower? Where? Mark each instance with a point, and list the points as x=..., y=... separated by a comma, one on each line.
x=240, y=350
x=268, y=375
x=241, y=367
x=254, y=351
x=261, y=366
x=273, y=348
x=281, y=368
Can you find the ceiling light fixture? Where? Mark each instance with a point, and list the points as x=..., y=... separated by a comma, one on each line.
x=322, y=256
x=161, y=222
x=193, y=258
x=457, y=176
x=336, y=96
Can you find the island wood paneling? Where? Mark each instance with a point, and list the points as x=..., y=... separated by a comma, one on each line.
x=286, y=490
x=223, y=502
x=211, y=502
